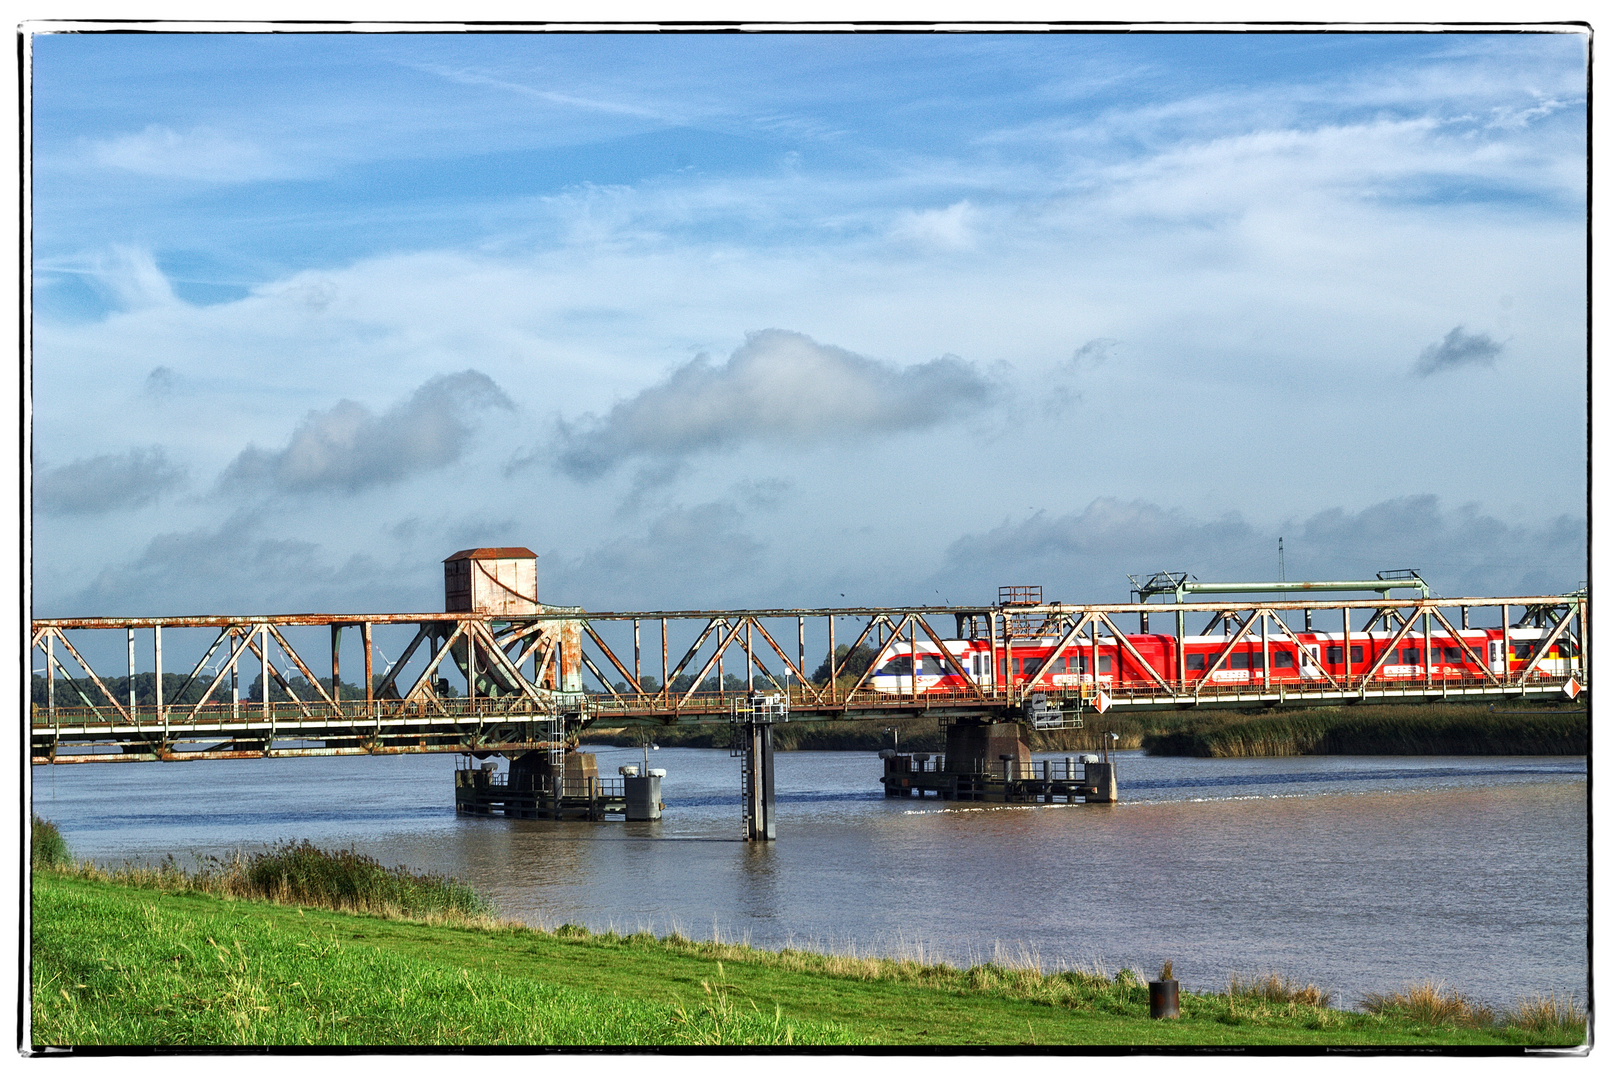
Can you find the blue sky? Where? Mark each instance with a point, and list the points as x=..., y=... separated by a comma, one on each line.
x=714, y=320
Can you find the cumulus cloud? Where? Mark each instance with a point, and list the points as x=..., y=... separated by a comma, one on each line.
x=106, y=482
x=948, y=229
x=1087, y=555
x=1457, y=350
x=199, y=154
x=348, y=448
x=778, y=387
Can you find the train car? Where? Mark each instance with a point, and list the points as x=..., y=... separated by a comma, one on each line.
x=1307, y=658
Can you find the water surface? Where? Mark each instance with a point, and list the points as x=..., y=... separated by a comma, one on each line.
x=1358, y=873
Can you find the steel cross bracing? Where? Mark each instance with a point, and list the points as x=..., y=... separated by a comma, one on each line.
x=525, y=674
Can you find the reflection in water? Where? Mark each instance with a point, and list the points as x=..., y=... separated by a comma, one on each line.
x=1357, y=873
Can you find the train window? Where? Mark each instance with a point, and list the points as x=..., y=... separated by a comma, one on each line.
x=1238, y=661
x=928, y=664
x=1412, y=656
x=1105, y=665
x=1522, y=650
x=1283, y=659
x=1356, y=654
x=1455, y=655
x=1196, y=661
x=901, y=665
x=1001, y=666
x=1032, y=664
x=1336, y=654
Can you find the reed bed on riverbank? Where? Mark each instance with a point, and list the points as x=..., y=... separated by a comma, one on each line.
x=1376, y=729
x=1360, y=729
x=301, y=874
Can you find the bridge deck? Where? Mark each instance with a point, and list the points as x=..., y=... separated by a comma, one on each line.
x=451, y=725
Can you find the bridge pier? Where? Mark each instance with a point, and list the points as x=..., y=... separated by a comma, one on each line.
x=759, y=769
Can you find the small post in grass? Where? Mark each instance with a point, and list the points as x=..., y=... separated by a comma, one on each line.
x=1164, y=998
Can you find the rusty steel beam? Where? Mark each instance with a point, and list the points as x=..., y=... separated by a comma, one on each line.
x=612, y=659
x=720, y=650
x=271, y=668
x=1468, y=650
x=950, y=658
x=1395, y=641
x=1147, y=668
x=795, y=668
x=1547, y=643
x=93, y=676
x=1221, y=657
x=1301, y=650
x=879, y=655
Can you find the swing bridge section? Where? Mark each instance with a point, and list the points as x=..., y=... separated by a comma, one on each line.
x=522, y=678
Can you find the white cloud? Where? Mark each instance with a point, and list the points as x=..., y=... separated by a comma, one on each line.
x=199, y=154
x=133, y=278
x=777, y=387
x=347, y=448
x=948, y=229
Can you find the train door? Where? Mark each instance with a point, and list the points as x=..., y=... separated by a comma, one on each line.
x=1311, y=661
x=1495, y=658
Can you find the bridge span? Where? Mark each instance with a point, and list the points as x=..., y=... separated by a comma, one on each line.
x=520, y=668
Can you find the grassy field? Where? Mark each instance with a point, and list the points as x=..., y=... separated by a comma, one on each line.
x=1361, y=729
x=155, y=958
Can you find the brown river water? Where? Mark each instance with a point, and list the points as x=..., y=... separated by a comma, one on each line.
x=1360, y=874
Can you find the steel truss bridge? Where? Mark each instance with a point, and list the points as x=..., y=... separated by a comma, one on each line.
x=524, y=675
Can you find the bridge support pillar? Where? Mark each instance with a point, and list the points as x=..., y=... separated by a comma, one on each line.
x=759, y=780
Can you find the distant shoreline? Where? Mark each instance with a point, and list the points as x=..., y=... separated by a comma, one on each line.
x=1396, y=730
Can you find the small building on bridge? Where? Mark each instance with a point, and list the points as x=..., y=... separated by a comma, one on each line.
x=492, y=581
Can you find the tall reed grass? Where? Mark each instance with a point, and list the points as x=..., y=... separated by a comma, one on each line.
x=302, y=874
x=1432, y=1002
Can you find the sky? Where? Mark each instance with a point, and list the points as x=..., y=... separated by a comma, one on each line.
x=802, y=319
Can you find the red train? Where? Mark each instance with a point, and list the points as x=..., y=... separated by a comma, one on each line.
x=1316, y=654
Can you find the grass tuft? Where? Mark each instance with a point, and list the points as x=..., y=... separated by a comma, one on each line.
x=1430, y=1002
x=1547, y=1013
x=1277, y=989
x=48, y=849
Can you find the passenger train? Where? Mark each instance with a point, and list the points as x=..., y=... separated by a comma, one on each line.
x=1316, y=655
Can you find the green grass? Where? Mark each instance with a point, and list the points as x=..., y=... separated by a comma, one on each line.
x=117, y=964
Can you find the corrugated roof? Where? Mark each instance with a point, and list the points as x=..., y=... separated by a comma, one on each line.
x=493, y=553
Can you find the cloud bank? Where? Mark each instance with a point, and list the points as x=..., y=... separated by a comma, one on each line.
x=106, y=482
x=778, y=387
x=1457, y=350
x=347, y=448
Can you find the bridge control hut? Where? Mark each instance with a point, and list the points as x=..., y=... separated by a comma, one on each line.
x=491, y=581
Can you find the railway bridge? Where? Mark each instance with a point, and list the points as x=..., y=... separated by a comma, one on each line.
x=520, y=667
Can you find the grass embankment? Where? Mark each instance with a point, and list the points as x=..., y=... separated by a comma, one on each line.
x=160, y=957
x=1358, y=729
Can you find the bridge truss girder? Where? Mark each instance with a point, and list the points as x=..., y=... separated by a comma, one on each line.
x=406, y=709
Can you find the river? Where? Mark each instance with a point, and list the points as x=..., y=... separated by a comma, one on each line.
x=1357, y=873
